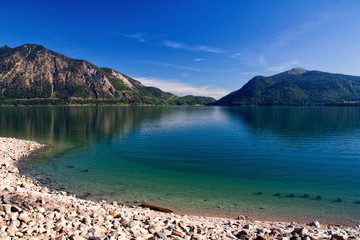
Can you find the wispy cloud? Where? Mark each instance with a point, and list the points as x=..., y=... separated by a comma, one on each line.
x=237, y=55
x=139, y=37
x=297, y=32
x=271, y=56
x=183, y=89
x=158, y=39
x=198, y=59
x=283, y=66
x=250, y=73
x=164, y=64
x=292, y=34
x=184, y=75
x=256, y=60
x=262, y=60
x=263, y=65
x=188, y=47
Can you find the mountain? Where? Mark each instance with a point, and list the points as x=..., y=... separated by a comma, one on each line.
x=297, y=87
x=33, y=74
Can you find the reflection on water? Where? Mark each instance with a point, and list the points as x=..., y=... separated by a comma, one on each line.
x=298, y=120
x=81, y=125
x=73, y=125
x=199, y=158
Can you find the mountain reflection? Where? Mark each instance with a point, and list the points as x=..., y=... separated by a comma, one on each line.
x=75, y=124
x=297, y=120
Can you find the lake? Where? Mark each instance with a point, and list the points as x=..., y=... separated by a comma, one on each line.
x=267, y=163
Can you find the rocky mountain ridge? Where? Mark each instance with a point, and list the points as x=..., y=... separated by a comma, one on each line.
x=33, y=72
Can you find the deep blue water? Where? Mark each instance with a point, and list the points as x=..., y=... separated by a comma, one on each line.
x=201, y=160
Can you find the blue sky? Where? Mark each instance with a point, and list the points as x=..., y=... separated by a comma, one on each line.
x=192, y=47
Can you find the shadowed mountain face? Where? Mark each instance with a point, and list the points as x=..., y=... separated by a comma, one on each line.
x=297, y=87
x=32, y=72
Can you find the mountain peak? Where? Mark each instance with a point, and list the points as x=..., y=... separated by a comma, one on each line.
x=32, y=71
x=294, y=87
x=32, y=46
x=5, y=48
x=297, y=71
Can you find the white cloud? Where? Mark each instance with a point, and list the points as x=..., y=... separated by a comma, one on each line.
x=183, y=89
x=184, y=46
x=198, y=59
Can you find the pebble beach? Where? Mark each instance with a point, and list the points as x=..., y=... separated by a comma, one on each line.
x=30, y=210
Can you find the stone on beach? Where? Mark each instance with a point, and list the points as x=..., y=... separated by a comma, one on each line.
x=24, y=217
x=241, y=217
x=315, y=224
x=160, y=235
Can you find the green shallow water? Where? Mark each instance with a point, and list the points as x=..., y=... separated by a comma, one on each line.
x=201, y=160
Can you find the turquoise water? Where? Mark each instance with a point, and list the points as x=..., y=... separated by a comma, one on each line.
x=268, y=163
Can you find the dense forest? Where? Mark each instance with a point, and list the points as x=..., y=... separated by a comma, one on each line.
x=297, y=87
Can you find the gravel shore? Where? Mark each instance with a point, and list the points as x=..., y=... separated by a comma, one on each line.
x=31, y=211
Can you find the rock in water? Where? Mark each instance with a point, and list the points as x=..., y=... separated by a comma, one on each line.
x=161, y=209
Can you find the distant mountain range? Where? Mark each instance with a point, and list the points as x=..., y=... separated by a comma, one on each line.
x=32, y=74
x=297, y=87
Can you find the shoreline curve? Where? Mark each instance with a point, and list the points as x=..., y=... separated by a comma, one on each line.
x=31, y=211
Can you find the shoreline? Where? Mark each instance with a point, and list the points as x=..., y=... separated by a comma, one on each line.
x=30, y=210
x=221, y=213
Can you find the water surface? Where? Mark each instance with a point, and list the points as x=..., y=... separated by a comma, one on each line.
x=268, y=163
